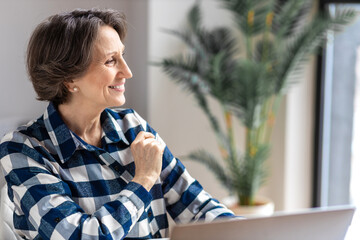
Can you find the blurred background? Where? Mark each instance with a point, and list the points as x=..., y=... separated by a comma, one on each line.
x=314, y=159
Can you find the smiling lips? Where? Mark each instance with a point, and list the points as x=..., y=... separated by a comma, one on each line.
x=119, y=88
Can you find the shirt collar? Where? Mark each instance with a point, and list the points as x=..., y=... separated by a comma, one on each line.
x=112, y=131
x=67, y=142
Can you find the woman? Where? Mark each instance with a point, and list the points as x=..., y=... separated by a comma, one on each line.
x=82, y=170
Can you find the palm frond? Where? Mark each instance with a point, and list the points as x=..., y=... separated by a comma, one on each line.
x=253, y=87
x=253, y=172
x=264, y=52
x=302, y=45
x=290, y=15
x=184, y=70
x=240, y=7
x=219, y=77
x=250, y=15
x=185, y=73
x=191, y=39
x=217, y=40
x=184, y=36
x=341, y=19
x=212, y=163
x=212, y=43
x=194, y=17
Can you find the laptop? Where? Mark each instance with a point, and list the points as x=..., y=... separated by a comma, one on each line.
x=312, y=224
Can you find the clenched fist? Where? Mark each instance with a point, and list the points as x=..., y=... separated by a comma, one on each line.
x=147, y=153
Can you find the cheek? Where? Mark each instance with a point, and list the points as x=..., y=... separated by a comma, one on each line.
x=102, y=81
x=106, y=77
x=99, y=81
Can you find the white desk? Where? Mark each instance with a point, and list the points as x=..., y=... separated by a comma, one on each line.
x=354, y=229
x=352, y=234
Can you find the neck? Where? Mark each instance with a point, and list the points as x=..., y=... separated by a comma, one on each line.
x=83, y=121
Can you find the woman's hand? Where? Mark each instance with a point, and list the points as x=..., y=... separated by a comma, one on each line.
x=147, y=153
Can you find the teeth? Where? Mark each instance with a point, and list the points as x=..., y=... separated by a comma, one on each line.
x=118, y=87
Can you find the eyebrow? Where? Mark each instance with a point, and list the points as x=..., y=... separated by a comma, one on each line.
x=114, y=52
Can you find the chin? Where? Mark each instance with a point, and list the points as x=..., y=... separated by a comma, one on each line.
x=118, y=103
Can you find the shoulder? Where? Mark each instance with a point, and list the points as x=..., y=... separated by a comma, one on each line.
x=28, y=135
x=33, y=129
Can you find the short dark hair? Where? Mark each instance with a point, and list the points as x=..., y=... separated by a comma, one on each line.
x=60, y=49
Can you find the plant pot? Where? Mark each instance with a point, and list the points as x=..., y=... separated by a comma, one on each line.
x=263, y=207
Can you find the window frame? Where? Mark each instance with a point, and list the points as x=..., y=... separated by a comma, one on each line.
x=319, y=114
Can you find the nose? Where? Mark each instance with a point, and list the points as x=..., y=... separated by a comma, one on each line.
x=124, y=70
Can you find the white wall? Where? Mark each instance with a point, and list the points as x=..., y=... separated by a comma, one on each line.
x=171, y=111
x=136, y=55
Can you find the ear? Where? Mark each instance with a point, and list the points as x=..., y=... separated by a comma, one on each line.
x=71, y=86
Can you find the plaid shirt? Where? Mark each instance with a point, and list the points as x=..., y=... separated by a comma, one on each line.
x=64, y=188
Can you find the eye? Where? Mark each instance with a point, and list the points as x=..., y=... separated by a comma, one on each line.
x=111, y=61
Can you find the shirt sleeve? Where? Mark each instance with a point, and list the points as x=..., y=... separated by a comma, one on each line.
x=186, y=200
x=45, y=200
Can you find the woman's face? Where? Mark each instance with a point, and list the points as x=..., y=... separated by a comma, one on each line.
x=103, y=85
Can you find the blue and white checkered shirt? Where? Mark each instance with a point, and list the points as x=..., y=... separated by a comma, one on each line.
x=64, y=188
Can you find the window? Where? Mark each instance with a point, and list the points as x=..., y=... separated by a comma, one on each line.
x=337, y=153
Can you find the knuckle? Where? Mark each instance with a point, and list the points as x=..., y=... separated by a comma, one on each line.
x=134, y=145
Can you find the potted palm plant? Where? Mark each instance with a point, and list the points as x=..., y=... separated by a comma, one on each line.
x=247, y=69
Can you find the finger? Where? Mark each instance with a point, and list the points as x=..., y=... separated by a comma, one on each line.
x=147, y=141
x=150, y=144
x=148, y=135
x=143, y=135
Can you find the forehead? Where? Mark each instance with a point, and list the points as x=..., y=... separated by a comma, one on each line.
x=107, y=41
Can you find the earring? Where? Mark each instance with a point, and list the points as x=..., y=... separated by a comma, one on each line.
x=76, y=89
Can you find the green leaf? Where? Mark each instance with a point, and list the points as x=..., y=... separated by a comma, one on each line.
x=185, y=72
x=252, y=87
x=241, y=9
x=299, y=47
x=290, y=15
x=253, y=172
x=212, y=163
x=194, y=17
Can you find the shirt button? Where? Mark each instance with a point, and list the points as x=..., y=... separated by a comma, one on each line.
x=57, y=220
x=117, y=168
x=157, y=235
x=149, y=213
